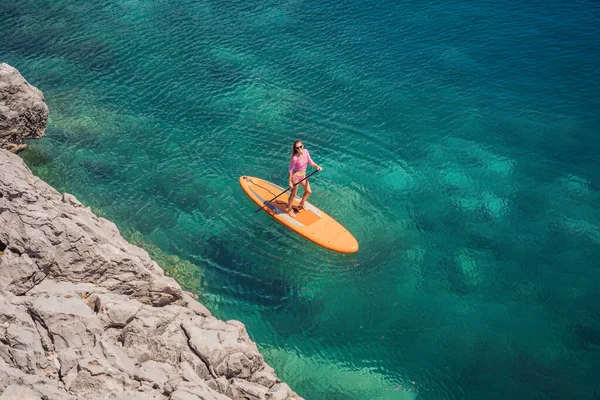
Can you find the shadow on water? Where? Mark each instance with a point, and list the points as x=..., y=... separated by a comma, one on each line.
x=482, y=368
x=247, y=280
x=543, y=381
x=84, y=137
x=298, y=314
x=230, y=276
x=184, y=192
x=227, y=74
x=588, y=334
x=457, y=279
x=99, y=171
x=35, y=157
x=94, y=55
x=59, y=134
x=259, y=285
x=17, y=38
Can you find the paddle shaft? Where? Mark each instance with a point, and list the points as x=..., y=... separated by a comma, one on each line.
x=296, y=184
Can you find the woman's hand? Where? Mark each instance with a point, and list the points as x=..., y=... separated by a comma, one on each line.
x=319, y=168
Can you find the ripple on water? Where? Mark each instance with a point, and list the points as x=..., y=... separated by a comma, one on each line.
x=456, y=149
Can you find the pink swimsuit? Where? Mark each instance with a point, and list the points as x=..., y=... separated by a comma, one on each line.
x=298, y=166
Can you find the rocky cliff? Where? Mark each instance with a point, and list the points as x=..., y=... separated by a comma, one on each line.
x=23, y=110
x=86, y=315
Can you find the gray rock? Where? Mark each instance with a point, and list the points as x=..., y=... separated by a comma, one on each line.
x=20, y=342
x=116, y=356
x=155, y=334
x=69, y=322
x=182, y=394
x=143, y=395
x=50, y=388
x=240, y=389
x=265, y=377
x=20, y=272
x=53, y=288
x=69, y=243
x=220, y=385
x=116, y=310
x=23, y=110
x=224, y=346
x=16, y=392
x=94, y=377
x=195, y=306
x=280, y=391
x=86, y=315
x=156, y=372
x=188, y=390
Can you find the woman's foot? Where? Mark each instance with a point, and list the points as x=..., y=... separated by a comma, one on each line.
x=290, y=211
x=301, y=206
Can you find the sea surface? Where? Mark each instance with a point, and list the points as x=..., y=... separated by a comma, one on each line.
x=460, y=142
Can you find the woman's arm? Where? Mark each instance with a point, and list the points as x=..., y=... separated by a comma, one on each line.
x=291, y=170
x=311, y=162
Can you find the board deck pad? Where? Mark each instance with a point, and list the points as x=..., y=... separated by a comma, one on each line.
x=311, y=223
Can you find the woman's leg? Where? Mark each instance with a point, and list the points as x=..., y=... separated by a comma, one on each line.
x=289, y=208
x=307, y=192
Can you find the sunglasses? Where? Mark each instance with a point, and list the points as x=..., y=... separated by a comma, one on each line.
x=298, y=147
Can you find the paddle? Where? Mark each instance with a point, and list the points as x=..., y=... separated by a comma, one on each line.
x=306, y=177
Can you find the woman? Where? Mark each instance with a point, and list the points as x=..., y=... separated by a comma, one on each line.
x=297, y=172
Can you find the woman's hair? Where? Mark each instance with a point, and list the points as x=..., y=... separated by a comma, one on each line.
x=294, y=148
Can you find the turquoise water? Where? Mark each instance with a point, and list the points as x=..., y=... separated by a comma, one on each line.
x=460, y=146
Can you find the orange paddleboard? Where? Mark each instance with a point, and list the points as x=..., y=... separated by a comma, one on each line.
x=311, y=222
